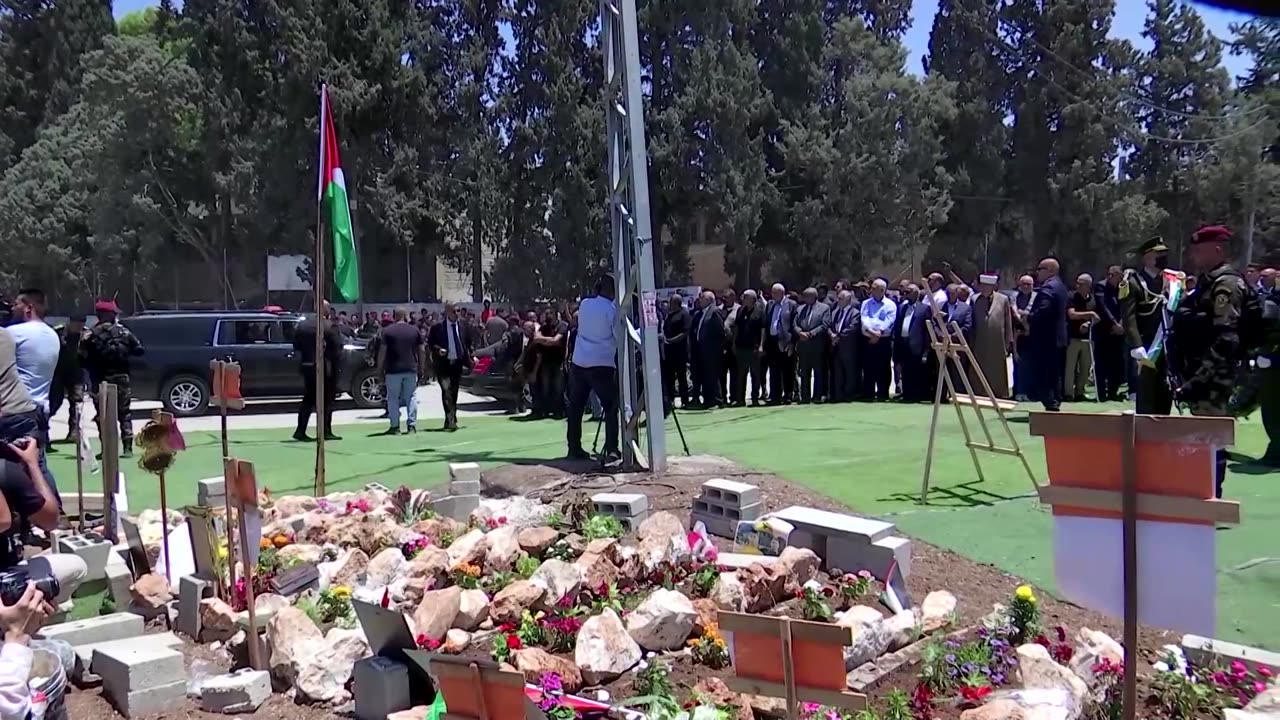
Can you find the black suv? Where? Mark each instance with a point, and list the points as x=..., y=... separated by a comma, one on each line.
x=180, y=345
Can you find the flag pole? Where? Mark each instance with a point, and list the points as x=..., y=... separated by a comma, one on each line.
x=317, y=285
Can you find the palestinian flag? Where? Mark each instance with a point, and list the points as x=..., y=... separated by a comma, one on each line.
x=332, y=194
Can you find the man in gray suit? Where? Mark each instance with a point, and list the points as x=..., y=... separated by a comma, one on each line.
x=779, y=346
x=813, y=321
x=846, y=326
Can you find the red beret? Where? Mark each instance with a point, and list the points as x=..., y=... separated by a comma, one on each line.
x=106, y=306
x=1211, y=234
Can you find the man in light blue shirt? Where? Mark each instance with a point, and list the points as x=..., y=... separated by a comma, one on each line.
x=878, y=315
x=36, y=346
x=593, y=369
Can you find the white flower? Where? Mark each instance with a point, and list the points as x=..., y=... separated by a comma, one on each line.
x=813, y=585
x=602, y=695
x=642, y=666
x=1161, y=667
x=650, y=654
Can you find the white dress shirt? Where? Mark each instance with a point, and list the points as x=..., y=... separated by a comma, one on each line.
x=452, y=329
x=878, y=315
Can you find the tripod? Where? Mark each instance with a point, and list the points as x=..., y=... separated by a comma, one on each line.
x=668, y=409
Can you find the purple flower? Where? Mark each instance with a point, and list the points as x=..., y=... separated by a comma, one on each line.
x=552, y=683
x=950, y=659
x=997, y=678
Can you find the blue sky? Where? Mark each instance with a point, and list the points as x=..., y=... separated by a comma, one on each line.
x=1128, y=24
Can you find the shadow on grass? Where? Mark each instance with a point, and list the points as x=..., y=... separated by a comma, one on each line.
x=966, y=494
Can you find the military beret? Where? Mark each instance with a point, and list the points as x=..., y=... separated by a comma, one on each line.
x=106, y=306
x=1211, y=234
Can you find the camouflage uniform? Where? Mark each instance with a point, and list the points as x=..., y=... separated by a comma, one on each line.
x=105, y=353
x=1206, y=349
x=1142, y=300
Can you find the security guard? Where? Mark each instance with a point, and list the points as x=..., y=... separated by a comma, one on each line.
x=1205, y=348
x=1142, y=299
x=106, y=353
x=68, y=383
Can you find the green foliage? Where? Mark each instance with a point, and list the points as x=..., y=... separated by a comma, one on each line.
x=526, y=565
x=704, y=579
x=602, y=526
x=653, y=678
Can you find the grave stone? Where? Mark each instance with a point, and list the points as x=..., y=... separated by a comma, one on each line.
x=137, y=551
x=116, y=626
x=240, y=692
x=848, y=542
x=84, y=653
x=119, y=577
x=191, y=590
x=141, y=679
x=181, y=553
x=381, y=687
x=211, y=492
x=1205, y=651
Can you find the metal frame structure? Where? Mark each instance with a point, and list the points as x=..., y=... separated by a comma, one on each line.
x=630, y=229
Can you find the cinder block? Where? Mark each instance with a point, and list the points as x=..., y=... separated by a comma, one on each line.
x=377, y=487
x=620, y=504
x=876, y=558
x=90, y=547
x=458, y=507
x=464, y=487
x=153, y=701
x=211, y=492
x=84, y=653
x=731, y=493
x=381, y=688
x=241, y=692
x=129, y=667
x=116, y=626
x=464, y=472
x=191, y=590
x=831, y=524
x=716, y=524
x=632, y=523
x=1205, y=651
x=119, y=578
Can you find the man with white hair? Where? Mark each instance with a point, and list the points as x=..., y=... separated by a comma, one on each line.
x=878, y=316
x=812, y=326
x=779, y=345
x=992, y=337
x=708, y=350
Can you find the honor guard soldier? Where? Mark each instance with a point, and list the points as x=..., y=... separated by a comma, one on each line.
x=1142, y=300
x=1214, y=330
x=107, y=353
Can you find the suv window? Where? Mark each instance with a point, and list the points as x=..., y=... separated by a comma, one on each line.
x=245, y=332
x=283, y=331
x=158, y=332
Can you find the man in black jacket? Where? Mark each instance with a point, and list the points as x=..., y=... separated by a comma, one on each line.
x=911, y=347
x=1048, y=336
x=451, y=346
x=748, y=349
x=675, y=351
x=708, y=350
x=304, y=344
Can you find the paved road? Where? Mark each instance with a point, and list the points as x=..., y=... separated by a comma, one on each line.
x=261, y=414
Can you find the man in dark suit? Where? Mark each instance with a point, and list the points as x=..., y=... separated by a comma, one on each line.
x=675, y=350
x=1048, y=336
x=748, y=348
x=813, y=321
x=845, y=329
x=1108, y=337
x=451, y=346
x=304, y=346
x=708, y=349
x=779, y=345
x=911, y=345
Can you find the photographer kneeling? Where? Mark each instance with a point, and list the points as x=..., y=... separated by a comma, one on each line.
x=24, y=493
x=18, y=620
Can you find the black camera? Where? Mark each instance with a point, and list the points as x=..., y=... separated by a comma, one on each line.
x=13, y=583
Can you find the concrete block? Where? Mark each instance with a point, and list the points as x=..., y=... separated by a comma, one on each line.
x=84, y=653
x=732, y=513
x=716, y=524
x=241, y=692
x=731, y=493
x=738, y=561
x=90, y=547
x=464, y=487
x=116, y=626
x=464, y=472
x=191, y=590
x=381, y=688
x=119, y=579
x=876, y=558
x=458, y=507
x=129, y=667
x=1205, y=651
x=620, y=504
x=827, y=523
x=632, y=523
x=377, y=487
x=153, y=701
x=211, y=492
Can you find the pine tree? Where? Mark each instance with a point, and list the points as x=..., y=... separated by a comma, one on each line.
x=962, y=51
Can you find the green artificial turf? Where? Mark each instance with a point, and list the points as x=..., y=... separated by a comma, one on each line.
x=869, y=457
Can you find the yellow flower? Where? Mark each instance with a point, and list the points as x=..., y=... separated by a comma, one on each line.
x=342, y=592
x=222, y=552
x=1025, y=594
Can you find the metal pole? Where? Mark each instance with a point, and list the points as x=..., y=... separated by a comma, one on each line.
x=317, y=286
x=631, y=230
x=408, y=276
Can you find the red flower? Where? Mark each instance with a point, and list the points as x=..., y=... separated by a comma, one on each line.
x=1264, y=671
x=974, y=694
x=828, y=591
x=507, y=627
x=513, y=642
x=425, y=643
x=800, y=593
x=502, y=520
x=1062, y=633
x=1042, y=640
x=386, y=599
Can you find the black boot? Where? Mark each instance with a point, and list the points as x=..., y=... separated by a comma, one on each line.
x=128, y=447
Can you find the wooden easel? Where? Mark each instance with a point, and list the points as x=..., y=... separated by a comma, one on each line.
x=476, y=689
x=950, y=353
x=811, y=654
x=109, y=439
x=241, y=486
x=226, y=394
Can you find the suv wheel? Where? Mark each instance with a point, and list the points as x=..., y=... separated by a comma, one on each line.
x=185, y=396
x=368, y=389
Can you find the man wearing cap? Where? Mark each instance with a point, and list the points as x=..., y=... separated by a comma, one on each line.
x=106, y=354
x=992, y=336
x=1206, y=357
x=1142, y=300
